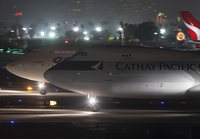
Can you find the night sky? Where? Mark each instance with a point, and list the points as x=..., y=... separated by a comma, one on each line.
x=53, y=11
x=172, y=7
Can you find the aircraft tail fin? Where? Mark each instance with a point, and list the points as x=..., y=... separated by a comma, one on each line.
x=192, y=25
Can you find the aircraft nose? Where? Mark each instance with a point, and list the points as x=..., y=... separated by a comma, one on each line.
x=10, y=67
x=13, y=68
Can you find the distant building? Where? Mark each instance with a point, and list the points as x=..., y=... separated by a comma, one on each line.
x=161, y=18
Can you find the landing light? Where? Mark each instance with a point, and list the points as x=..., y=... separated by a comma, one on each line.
x=41, y=85
x=92, y=101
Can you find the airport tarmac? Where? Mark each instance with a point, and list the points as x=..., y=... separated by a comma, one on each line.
x=32, y=118
x=32, y=106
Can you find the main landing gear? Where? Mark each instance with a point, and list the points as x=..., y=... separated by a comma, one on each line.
x=94, y=104
x=43, y=92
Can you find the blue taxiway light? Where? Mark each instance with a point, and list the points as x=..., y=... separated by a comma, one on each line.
x=12, y=122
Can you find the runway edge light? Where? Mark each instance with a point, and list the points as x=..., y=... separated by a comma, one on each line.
x=53, y=103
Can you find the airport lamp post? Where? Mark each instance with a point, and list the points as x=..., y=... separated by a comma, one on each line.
x=18, y=16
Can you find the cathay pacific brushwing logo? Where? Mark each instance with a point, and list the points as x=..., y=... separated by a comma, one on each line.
x=98, y=66
x=195, y=29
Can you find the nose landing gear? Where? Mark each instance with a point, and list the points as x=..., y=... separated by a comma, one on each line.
x=94, y=104
x=42, y=89
x=43, y=92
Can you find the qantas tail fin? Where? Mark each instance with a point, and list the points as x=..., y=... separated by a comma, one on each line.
x=192, y=25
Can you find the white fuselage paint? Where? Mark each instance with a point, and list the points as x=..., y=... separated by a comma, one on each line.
x=33, y=64
x=129, y=72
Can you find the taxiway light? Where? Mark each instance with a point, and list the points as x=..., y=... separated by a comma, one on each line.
x=162, y=102
x=53, y=103
x=12, y=122
x=29, y=88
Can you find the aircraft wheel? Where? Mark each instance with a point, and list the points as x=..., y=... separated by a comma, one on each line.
x=43, y=92
x=95, y=108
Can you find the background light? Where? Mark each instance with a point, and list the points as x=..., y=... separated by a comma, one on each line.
x=85, y=32
x=120, y=29
x=42, y=34
x=76, y=29
x=86, y=38
x=53, y=28
x=51, y=34
x=98, y=29
x=162, y=31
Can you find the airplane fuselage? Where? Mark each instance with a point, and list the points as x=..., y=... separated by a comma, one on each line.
x=33, y=64
x=129, y=72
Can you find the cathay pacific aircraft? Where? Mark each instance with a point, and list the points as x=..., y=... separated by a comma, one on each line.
x=129, y=72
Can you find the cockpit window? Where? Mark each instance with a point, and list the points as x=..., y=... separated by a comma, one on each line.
x=33, y=49
x=82, y=53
